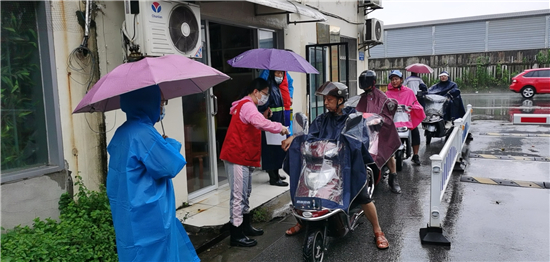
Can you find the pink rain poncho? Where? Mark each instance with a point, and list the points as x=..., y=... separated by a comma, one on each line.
x=405, y=96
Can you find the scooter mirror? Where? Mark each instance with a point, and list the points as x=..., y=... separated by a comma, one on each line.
x=352, y=121
x=300, y=124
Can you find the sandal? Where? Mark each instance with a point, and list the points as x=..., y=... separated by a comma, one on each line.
x=381, y=241
x=294, y=230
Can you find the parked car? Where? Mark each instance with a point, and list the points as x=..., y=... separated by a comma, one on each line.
x=531, y=82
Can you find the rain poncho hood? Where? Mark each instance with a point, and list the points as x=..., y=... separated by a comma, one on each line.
x=455, y=106
x=352, y=157
x=376, y=102
x=405, y=96
x=139, y=185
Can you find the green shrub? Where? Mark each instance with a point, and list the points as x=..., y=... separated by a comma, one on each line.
x=84, y=232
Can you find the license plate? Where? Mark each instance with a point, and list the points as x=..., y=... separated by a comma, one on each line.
x=308, y=203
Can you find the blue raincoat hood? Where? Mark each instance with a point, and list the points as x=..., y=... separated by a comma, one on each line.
x=142, y=104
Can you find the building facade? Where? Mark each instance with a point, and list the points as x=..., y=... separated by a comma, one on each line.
x=44, y=146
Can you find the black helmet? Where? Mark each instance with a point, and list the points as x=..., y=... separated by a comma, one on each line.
x=367, y=79
x=335, y=89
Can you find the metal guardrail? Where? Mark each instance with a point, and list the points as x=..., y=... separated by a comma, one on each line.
x=442, y=168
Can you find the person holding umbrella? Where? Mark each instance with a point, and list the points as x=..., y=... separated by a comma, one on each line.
x=279, y=62
x=241, y=153
x=139, y=184
x=415, y=83
x=276, y=109
x=142, y=161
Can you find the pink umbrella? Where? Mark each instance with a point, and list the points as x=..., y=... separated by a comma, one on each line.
x=176, y=76
x=419, y=68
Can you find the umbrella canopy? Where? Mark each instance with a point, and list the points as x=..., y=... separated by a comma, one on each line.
x=419, y=68
x=272, y=59
x=176, y=76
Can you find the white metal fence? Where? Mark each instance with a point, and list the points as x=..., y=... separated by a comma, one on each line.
x=442, y=168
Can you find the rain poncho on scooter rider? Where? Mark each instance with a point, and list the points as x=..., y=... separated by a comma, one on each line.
x=373, y=100
x=353, y=154
x=139, y=184
x=406, y=96
x=449, y=89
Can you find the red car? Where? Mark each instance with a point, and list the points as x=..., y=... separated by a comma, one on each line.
x=531, y=82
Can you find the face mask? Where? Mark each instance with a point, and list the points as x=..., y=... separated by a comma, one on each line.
x=263, y=100
x=162, y=113
x=278, y=80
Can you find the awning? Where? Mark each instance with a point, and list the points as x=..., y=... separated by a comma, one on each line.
x=289, y=7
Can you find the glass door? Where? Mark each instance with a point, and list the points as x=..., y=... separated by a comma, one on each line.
x=198, y=135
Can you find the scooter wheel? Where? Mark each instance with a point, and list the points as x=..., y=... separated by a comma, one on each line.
x=428, y=138
x=314, y=247
x=399, y=160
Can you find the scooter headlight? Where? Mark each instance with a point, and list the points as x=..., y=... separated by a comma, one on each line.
x=402, y=129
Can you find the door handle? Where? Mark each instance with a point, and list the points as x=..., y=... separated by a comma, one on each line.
x=215, y=103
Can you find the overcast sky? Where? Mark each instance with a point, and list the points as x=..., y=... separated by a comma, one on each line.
x=406, y=11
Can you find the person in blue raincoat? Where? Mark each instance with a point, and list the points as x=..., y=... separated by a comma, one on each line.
x=139, y=184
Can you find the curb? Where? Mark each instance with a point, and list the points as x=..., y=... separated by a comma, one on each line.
x=203, y=238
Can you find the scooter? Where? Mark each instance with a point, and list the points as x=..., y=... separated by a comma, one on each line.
x=434, y=124
x=405, y=150
x=319, y=202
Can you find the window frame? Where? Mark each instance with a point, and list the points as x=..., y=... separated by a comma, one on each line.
x=51, y=101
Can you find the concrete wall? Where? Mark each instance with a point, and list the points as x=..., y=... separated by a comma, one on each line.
x=459, y=64
x=25, y=200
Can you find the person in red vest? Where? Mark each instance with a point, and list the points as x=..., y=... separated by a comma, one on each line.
x=241, y=152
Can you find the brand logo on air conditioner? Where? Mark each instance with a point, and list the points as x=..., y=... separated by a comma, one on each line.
x=156, y=9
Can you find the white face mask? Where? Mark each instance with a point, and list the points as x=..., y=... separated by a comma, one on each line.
x=162, y=113
x=278, y=80
x=263, y=100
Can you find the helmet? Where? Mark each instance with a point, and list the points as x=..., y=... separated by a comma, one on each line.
x=335, y=89
x=395, y=73
x=367, y=79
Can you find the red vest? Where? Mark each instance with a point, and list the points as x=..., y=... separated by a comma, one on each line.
x=243, y=142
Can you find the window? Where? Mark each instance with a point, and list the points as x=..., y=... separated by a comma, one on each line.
x=544, y=73
x=352, y=56
x=31, y=139
x=530, y=74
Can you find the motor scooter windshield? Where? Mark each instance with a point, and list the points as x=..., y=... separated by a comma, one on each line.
x=401, y=115
x=374, y=124
x=321, y=175
x=434, y=105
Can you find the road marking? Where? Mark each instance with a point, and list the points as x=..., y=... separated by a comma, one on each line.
x=518, y=158
x=515, y=134
x=505, y=182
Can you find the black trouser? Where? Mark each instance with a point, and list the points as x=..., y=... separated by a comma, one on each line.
x=415, y=137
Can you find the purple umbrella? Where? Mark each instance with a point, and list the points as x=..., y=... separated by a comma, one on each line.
x=176, y=76
x=419, y=68
x=272, y=59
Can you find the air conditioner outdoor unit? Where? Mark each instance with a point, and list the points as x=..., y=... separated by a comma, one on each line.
x=164, y=27
x=374, y=4
x=374, y=31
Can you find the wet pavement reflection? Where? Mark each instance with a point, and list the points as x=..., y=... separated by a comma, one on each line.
x=502, y=106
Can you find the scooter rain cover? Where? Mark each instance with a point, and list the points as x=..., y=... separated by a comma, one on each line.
x=434, y=106
x=327, y=165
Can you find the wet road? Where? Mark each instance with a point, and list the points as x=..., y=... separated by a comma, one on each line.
x=484, y=222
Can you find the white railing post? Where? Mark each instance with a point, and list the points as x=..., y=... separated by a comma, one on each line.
x=435, y=191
